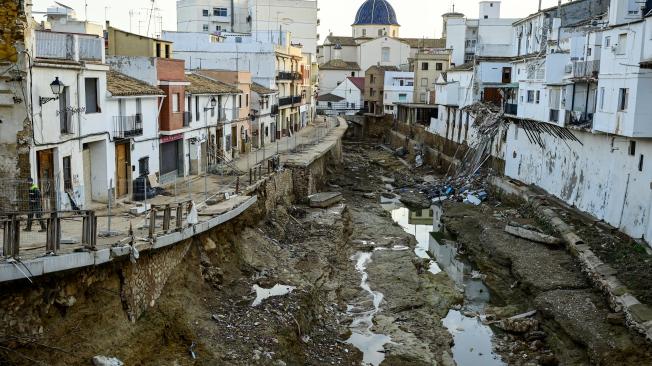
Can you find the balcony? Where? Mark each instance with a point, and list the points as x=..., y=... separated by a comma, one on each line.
x=221, y=115
x=283, y=102
x=586, y=69
x=125, y=127
x=187, y=118
x=283, y=75
x=67, y=46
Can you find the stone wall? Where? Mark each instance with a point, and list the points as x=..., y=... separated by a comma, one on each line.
x=144, y=280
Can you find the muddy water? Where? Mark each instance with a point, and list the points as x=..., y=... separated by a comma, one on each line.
x=473, y=339
x=369, y=343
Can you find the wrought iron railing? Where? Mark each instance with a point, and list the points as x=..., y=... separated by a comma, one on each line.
x=125, y=127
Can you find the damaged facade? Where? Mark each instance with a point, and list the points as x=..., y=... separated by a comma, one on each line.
x=583, y=70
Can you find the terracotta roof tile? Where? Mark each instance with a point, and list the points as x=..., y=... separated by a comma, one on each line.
x=203, y=85
x=340, y=65
x=259, y=89
x=121, y=85
x=358, y=82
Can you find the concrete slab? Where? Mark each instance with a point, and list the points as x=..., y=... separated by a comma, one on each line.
x=641, y=313
x=325, y=199
x=67, y=261
x=20, y=270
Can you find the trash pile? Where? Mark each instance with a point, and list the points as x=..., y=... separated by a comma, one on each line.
x=470, y=190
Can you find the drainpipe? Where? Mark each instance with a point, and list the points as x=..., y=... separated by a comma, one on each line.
x=232, y=15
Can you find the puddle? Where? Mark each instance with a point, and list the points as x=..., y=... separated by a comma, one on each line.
x=370, y=344
x=278, y=290
x=473, y=340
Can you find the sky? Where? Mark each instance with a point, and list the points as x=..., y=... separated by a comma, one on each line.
x=418, y=18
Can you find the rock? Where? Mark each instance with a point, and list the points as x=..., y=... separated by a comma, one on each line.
x=415, y=200
x=209, y=244
x=535, y=335
x=520, y=325
x=325, y=199
x=106, y=361
x=66, y=301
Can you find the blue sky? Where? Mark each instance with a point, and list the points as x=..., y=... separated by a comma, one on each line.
x=419, y=18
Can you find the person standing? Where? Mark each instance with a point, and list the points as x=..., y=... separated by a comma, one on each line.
x=35, y=211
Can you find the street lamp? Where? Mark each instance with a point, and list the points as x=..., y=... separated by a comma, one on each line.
x=57, y=88
x=213, y=102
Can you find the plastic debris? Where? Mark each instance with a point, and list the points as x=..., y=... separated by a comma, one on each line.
x=472, y=200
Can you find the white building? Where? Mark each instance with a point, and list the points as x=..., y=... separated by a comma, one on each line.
x=72, y=143
x=262, y=18
x=264, y=106
x=345, y=99
x=375, y=40
x=399, y=88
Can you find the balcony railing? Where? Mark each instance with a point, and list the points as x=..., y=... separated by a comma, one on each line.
x=274, y=110
x=282, y=102
x=284, y=75
x=67, y=46
x=125, y=127
x=187, y=118
x=586, y=69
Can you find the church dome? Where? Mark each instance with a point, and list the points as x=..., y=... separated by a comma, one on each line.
x=376, y=12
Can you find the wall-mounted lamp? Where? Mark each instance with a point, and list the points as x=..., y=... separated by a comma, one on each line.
x=57, y=88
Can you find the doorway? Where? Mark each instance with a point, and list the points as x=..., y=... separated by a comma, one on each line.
x=122, y=169
x=45, y=167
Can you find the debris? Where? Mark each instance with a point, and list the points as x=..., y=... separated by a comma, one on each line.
x=524, y=233
x=415, y=200
x=277, y=290
x=193, y=216
x=418, y=161
x=472, y=200
x=191, y=350
x=106, y=361
x=616, y=318
x=325, y=199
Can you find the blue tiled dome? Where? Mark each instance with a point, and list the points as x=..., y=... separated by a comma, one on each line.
x=378, y=12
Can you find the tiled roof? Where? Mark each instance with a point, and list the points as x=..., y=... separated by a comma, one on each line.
x=257, y=88
x=330, y=98
x=340, y=65
x=425, y=42
x=383, y=67
x=375, y=12
x=203, y=85
x=358, y=82
x=121, y=85
x=342, y=41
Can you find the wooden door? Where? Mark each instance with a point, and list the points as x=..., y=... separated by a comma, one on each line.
x=45, y=159
x=122, y=163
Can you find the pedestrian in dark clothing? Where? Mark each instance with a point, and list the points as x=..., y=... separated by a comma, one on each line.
x=35, y=210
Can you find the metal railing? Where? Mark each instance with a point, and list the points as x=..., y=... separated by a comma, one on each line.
x=285, y=75
x=586, y=69
x=128, y=126
x=68, y=46
x=282, y=102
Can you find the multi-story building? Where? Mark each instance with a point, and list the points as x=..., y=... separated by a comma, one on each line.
x=261, y=18
x=398, y=88
x=121, y=43
x=426, y=66
x=264, y=109
x=374, y=91
x=375, y=40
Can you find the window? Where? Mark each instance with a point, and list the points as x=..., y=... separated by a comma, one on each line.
x=205, y=27
x=401, y=82
x=439, y=66
x=158, y=50
x=143, y=166
x=621, y=47
x=424, y=82
x=167, y=51
x=371, y=78
x=538, y=97
x=422, y=97
x=92, y=104
x=385, y=54
x=197, y=108
x=218, y=28
x=607, y=41
x=205, y=12
x=65, y=117
x=530, y=96
x=632, y=148
x=372, y=92
x=220, y=12
x=67, y=173
x=424, y=66
x=588, y=51
x=175, y=102
x=364, y=32
x=402, y=97
x=602, y=98
x=247, y=100
x=623, y=97
x=240, y=101
x=640, y=163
